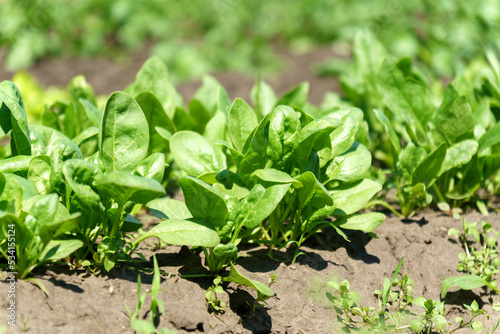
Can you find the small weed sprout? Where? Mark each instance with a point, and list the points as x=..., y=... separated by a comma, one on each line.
x=395, y=299
x=155, y=310
x=482, y=262
x=215, y=305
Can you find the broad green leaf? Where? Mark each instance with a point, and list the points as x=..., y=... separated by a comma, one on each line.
x=156, y=117
x=39, y=173
x=225, y=252
x=454, y=117
x=93, y=113
x=198, y=114
x=124, y=133
x=349, y=199
x=409, y=159
x=38, y=146
x=123, y=187
x=80, y=175
x=295, y=98
x=351, y=166
x=168, y=208
x=184, y=121
x=313, y=193
x=342, y=139
x=28, y=188
x=459, y=154
x=237, y=156
x=194, y=154
x=315, y=136
x=131, y=224
x=153, y=167
x=216, y=129
x=393, y=137
x=43, y=217
x=429, y=167
x=153, y=77
x=464, y=282
x=366, y=222
x=255, y=151
x=204, y=201
x=18, y=165
x=13, y=117
x=260, y=203
x=223, y=102
x=59, y=249
x=284, y=127
x=236, y=277
x=75, y=116
x=85, y=136
x=275, y=176
x=190, y=232
x=406, y=97
x=241, y=122
x=64, y=146
x=263, y=98
x=490, y=138
x=209, y=94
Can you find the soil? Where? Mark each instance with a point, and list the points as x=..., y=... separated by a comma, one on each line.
x=79, y=302
x=107, y=76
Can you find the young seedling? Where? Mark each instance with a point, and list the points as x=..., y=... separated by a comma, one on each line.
x=215, y=305
x=433, y=319
x=480, y=265
x=394, y=309
x=155, y=309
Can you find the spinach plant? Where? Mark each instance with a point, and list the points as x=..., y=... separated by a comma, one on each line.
x=102, y=187
x=205, y=220
x=33, y=232
x=298, y=170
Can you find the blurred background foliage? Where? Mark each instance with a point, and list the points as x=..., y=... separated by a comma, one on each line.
x=194, y=37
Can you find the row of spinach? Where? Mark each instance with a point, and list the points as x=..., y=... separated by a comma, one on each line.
x=273, y=174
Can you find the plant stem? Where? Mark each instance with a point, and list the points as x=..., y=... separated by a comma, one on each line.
x=386, y=205
x=116, y=221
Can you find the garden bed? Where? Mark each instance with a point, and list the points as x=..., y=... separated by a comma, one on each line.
x=79, y=302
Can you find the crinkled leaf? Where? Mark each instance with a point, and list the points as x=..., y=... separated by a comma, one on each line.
x=204, y=201
x=80, y=175
x=194, y=154
x=260, y=203
x=153, y=167
x=351, y=166
x=459, y=154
